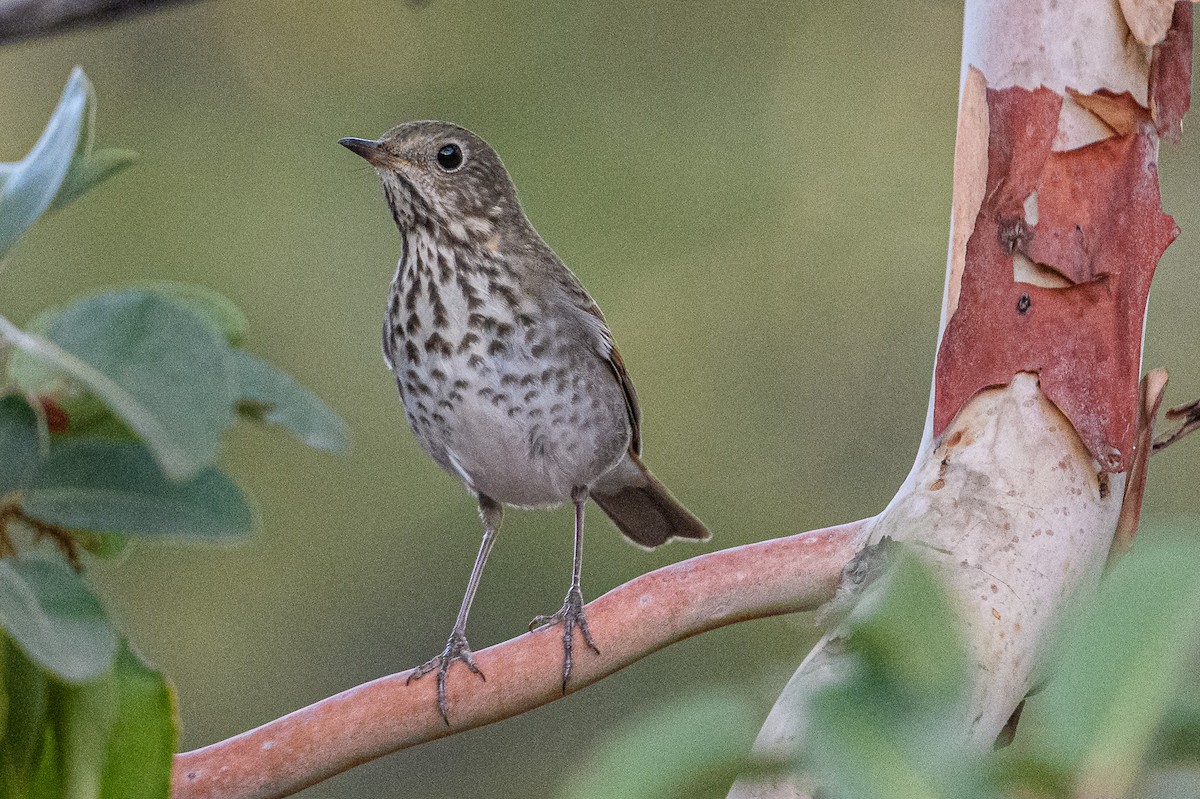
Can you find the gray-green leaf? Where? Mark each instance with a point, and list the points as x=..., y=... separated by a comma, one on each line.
x=116, y=487
x=159, y=366
x=215, y=308
x=55, y=619
x=20, y=442
x=269, y=394
x=60, y=166
x=889, y=724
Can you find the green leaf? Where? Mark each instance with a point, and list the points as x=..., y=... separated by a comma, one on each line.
x=889, y=722
x=1119, y=670
x=55, y=619
x=693, y=749
x=157, y=365
x=25, y=686
x=84, y=723
x=116, y=487
x=269, y=394
x=47, y=777
x=91, y=169
x=20, y=442
x=145, y=733
x=858, y=756
x=108, y=546
x=261, y=391
x=60, y=166
x=906, y=630
x=112, y=737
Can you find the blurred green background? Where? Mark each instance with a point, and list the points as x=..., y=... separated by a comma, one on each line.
x=756, y=193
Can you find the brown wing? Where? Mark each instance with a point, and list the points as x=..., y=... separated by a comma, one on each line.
x=616, y=363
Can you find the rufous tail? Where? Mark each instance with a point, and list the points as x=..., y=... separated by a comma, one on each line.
x=642, y=507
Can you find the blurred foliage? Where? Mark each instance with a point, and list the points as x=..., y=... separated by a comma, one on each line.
x=694, y=748
x=1118, y=718
x=756, y=193
x=112, y=412
x=60, y=167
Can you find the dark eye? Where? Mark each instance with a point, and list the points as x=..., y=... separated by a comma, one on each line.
x=450, y=157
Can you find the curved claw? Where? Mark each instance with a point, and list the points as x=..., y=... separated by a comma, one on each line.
x=457, y=648
x=571, y=615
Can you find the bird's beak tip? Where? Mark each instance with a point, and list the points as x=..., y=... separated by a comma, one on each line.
x=361, y=147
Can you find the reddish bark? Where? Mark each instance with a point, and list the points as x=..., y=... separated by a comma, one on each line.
x=1100, y=226
x=1171, y=75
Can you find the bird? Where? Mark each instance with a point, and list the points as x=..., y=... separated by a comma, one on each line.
x=506, y=368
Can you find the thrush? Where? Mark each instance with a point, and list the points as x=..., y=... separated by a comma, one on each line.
x=506, y=368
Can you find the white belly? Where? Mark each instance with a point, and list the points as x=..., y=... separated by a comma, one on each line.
x=512, y=405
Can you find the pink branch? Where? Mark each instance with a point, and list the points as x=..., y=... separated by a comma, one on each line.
x=281, y=757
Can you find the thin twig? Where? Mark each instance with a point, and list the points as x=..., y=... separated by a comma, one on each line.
x=62, y=538
x=1190, y=416
x=25, y=19
x=783, y=575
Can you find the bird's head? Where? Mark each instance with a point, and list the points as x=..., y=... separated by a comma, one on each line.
x=440, y=173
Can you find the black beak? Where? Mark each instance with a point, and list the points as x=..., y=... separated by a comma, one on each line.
x=367, y=148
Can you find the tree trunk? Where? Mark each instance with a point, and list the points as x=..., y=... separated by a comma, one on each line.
x=1030, y=445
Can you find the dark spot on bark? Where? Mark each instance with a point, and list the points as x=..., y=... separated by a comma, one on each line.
x=1014, y=234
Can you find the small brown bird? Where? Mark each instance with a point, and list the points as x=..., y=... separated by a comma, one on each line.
x=506, y=368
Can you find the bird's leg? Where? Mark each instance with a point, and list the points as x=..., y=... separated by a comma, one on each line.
x=456, y=647
x=571, y=613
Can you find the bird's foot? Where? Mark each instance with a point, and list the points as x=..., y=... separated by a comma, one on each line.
x=571, y=616
x=457, y=648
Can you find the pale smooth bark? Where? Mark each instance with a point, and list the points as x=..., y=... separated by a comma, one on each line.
x=1007, y=503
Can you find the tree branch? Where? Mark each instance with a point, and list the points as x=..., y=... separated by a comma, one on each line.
x=25, y=19
x=784, y=575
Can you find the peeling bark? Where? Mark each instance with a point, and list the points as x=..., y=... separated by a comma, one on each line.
x=1036, y=417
